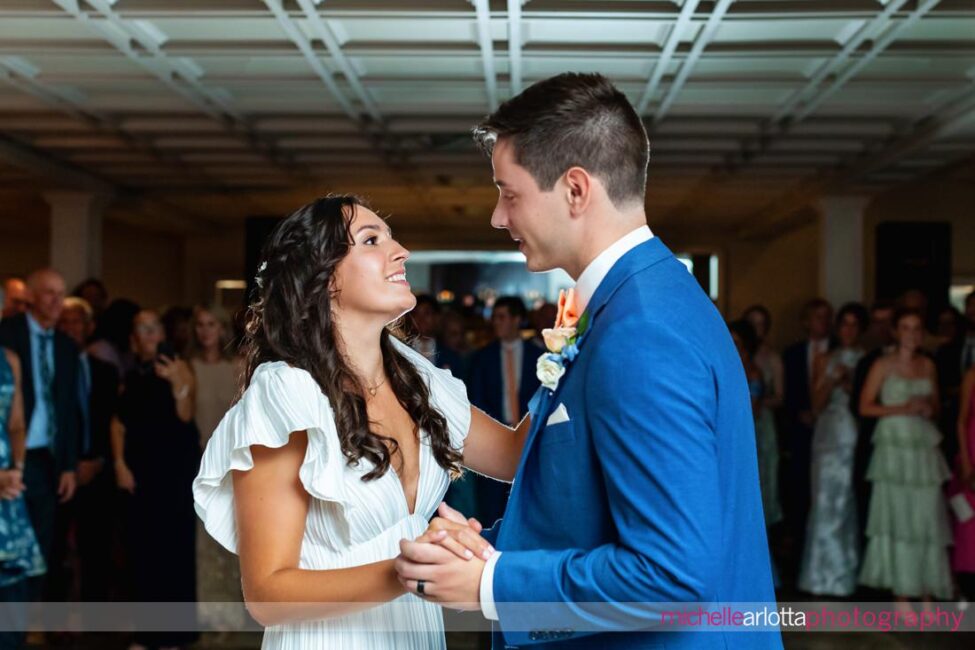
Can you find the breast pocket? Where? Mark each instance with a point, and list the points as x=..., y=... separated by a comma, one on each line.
x=562, y=433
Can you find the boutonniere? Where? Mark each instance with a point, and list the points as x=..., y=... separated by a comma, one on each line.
x=561, y=341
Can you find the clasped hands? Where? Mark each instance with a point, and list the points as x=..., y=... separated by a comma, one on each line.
x=448, y=558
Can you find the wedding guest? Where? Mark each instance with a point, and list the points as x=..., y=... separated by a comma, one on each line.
x=769, y=362
x=968, y=349
x=542, y=318
x=178, y=324
x=879, y=333
x=502, y=380
x=425, y=319
x=156, y=449
x=907, y=524
x=95, y=515
x=831, y=554
x=798, y=360
x=963, y=484
x=20, y=554
x=947, y=359
x=215, y=366
x=917, y=300
x=113, y=331
x=49, y=370
x=216, y=371
x=453, y=342
x=877, y=341
x=93, y=291
x=16, y=297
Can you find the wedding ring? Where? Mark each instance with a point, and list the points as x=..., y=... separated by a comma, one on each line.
x=421, y=585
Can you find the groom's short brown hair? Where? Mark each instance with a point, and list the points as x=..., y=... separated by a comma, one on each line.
x=574, y=119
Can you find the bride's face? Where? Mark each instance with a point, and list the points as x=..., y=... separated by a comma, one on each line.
x=371, y=279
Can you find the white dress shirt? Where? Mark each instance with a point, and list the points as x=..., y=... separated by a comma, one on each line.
x=586, y=287
x=813, y=349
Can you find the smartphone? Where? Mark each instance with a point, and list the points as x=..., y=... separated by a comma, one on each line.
x=165, y=349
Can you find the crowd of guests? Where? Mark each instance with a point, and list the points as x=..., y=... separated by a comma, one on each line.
x=865, y=434
x=104, y=410
x=105, y=407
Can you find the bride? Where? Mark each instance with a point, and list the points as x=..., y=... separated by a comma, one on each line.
x=343, y=442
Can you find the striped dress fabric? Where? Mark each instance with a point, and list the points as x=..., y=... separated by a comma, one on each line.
x=350, y=522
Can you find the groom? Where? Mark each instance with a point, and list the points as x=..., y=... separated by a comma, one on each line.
x=638, y=482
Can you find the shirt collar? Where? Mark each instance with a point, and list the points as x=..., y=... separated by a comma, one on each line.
x=35, y=327
x=597, y=270
x=509, y=345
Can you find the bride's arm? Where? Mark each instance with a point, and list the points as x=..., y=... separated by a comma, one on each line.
x=493, y=449
x=271, y=507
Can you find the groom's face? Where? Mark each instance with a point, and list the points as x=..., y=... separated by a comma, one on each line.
x=530, y=215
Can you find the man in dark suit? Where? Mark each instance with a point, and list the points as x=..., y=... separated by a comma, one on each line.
x=501, y=382
x=94, y=511
x=798, y=359
x=49, y=363
x=881, y=337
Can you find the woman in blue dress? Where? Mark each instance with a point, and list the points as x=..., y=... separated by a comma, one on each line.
x=20, y=555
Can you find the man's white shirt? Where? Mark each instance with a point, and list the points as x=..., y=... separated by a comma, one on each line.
x=586, y=286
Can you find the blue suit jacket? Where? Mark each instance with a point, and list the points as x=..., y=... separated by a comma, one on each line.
x=649, y=493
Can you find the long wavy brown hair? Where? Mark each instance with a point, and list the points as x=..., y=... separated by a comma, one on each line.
x=291, y=320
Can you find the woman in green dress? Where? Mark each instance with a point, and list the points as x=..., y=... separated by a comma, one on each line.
x=907, y=527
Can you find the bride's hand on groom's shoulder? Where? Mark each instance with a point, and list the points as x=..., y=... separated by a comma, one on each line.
x=457, y=534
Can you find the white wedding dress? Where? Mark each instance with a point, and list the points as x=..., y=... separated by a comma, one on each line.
x=350, y=522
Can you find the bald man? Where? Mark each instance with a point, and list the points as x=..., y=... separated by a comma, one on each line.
x=16, y=298
x=49, y=367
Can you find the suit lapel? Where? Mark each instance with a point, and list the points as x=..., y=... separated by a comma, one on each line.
x=639, y=258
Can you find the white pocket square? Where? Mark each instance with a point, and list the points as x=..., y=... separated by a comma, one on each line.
x=558, y=416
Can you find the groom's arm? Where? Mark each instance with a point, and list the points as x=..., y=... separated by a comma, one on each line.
x=650, y=403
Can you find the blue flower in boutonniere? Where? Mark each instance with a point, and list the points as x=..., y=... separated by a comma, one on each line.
x=561, y=341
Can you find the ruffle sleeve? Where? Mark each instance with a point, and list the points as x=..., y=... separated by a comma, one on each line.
x=279, y=401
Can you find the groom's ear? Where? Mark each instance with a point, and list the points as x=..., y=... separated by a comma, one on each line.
x=579, y=186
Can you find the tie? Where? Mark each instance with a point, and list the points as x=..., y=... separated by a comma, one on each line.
x=47, y=385
x=511, y=385
x=84, y=397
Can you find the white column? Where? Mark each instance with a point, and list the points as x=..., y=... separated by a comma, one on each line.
x=76, y=234
x=841, y=248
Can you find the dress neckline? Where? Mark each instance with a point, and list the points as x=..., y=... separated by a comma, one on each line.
x=419, y=478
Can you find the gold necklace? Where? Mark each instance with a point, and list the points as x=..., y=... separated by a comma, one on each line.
x=374, y=389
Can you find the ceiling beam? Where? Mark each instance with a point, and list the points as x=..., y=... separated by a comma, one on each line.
x=924, y=133
x=673, y=40
x=514, y=46
x=701, y=42
x=878, y=46
x=182, y=75
x=19, y=73
x=868, y=30
x=325, y=34
x=487, y=52
x=63, y=174
x=293, y=32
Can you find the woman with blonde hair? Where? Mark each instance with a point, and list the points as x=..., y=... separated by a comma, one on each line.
x=217, y=369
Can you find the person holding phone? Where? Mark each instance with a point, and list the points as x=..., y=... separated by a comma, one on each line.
x=155, y=446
